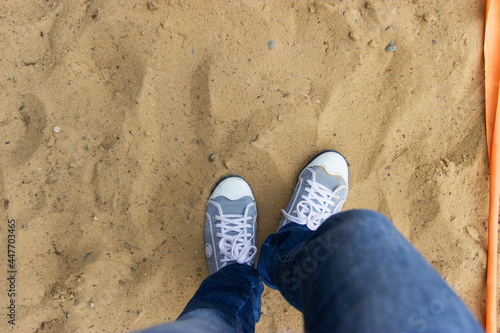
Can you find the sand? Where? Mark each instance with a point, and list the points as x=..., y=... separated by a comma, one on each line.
x=109, y=206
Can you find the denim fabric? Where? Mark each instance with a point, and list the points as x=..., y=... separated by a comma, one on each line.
x=356, y=273
x=200, y=321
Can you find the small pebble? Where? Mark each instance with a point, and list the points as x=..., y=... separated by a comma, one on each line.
x=391, y=47
x=57, y=129
x=271, y=44
x=198, y=269
x=434, y=42
x=127, y=245
x=25, y=227
x=76, y=302
x=473, y=233
x=353, y=35
x=86, y=256
x=91, y=304
x=429, y=17
x=212, y=157
x=152, y=5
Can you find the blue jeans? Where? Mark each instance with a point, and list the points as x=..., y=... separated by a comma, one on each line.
x=356, y=273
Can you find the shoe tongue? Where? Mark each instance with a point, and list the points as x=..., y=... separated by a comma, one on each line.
x=325, y=179
x=235, y=206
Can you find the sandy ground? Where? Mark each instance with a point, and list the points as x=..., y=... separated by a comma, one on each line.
x=109, y=210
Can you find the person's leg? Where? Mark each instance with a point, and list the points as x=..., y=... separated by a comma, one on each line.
x=356, y=272
x=232, y=294
x=229, y=299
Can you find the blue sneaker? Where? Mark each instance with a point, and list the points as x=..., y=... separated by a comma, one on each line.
x=230, y=225
x=320, y=192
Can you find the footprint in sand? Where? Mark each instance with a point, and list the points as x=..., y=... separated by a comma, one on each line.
x=117, y=66
x=28, y=127
x=112, y=181
x=123, y=75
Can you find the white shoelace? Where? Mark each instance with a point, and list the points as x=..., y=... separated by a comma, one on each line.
x=239, y=247
x=314, y=207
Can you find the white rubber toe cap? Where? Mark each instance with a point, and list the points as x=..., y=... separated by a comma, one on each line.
x=233, y=188
x=334, y=164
